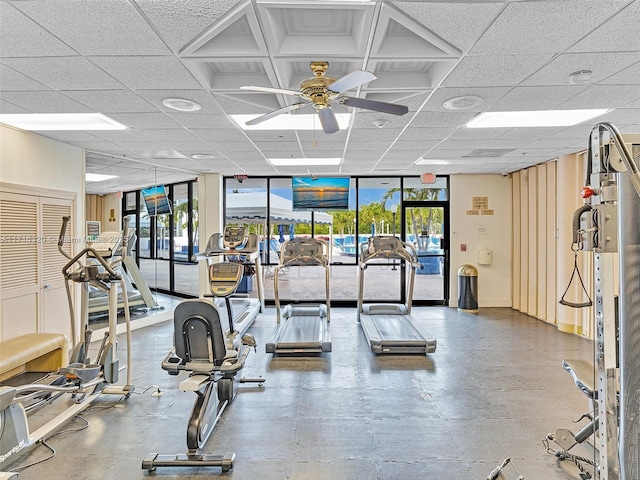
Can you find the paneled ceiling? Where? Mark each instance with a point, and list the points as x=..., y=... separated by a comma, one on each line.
x=124, y=57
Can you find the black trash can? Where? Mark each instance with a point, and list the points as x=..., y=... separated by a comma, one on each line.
x=468, y=289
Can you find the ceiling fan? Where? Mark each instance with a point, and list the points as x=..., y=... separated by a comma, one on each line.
x=321, y=90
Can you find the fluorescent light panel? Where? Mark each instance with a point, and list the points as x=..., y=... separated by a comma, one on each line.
x=307, y=121
x=61, y=121
x=97, y=177
x=303, y=162
x=534, y=118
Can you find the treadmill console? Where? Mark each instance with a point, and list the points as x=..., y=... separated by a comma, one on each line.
x=224, y=278
x=234, y=237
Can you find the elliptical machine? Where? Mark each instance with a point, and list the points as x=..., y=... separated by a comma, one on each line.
x=200, y=349
x=82, y=378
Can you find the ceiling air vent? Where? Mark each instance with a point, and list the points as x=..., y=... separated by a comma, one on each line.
x=489, y=152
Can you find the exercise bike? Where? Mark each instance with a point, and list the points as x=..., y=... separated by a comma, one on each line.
x=81, y=378
x=200, y=349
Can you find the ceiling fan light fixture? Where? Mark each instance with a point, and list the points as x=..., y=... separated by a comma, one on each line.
x=463, y=102
x=181, y=104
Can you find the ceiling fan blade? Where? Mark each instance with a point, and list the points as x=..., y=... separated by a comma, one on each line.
x=351, y=80
x=374, y=105
x=328, y=120
x=275, y=113
x=271, y=90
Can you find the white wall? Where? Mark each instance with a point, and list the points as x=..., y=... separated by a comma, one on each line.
x=33, y=161
x=36, y=161
x=475, y=231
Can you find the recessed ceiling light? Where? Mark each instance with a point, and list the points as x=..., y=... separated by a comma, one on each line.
x=307, y=121
x=461, y=103
x=535, y=118
x=97, y=177
x=303, y=162
x=60, y=121
x=202, y=156
x=181, y=104
x=432, y=161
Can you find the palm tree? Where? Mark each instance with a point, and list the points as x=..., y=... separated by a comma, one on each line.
x=417, y=224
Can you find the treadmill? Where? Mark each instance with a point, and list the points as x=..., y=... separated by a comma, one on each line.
x=235, y=245
x=302, y=328
x=390, y=328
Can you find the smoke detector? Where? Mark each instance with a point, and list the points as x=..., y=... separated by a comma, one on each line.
x=462, y=103
x=580, y=77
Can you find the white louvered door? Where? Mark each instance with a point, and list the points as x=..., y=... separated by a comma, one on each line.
x=55, y=307
x=32, y=294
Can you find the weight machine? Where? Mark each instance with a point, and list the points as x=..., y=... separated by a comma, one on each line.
x=607, y=225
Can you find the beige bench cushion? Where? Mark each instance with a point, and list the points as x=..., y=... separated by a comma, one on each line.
x=33, y=352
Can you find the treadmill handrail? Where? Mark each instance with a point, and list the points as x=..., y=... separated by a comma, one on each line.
x=400, y=251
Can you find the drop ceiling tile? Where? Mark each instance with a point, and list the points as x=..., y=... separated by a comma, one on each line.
x=202, y=120
x=227, y=147
x=494, y=70
x=98, y=145
x=22, y=37
x=442, y=119
x=625, y=26
x=464, y=133
x=494, y=143
x=128, y=135
x=414, y=132
x=169, y=135
x=148, y=72
x=247, y=103
x=111, y=101
x=602, y=65
x=179, y=21
x=537, y=98
x=557, y=143
x=373, y=134
x=71, y=136
x=488, y=95
x=619, y=116
x=524, y=27
x=271, y=136
x=628, y=76
x=6, y=107
x=365, y=119
x=630, y=129
x=309, y=136
x=581, y=132
x=603, y=96
x=461, y=24
x=524, y=132
x=100, y=27
x=17, y=82
x=44, y=102
x=145, y=120
x=203, y=98
x=220, y=135
x=64, y=73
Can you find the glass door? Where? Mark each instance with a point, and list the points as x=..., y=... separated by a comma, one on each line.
x=425, y=226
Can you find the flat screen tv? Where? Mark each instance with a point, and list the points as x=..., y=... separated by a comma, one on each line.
x=156, y=200
x=320, y=193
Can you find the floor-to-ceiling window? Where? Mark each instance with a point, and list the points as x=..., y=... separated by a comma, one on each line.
x=375, y=207
x=166, y=242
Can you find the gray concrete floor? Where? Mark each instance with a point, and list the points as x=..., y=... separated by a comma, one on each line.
x=493, y=389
